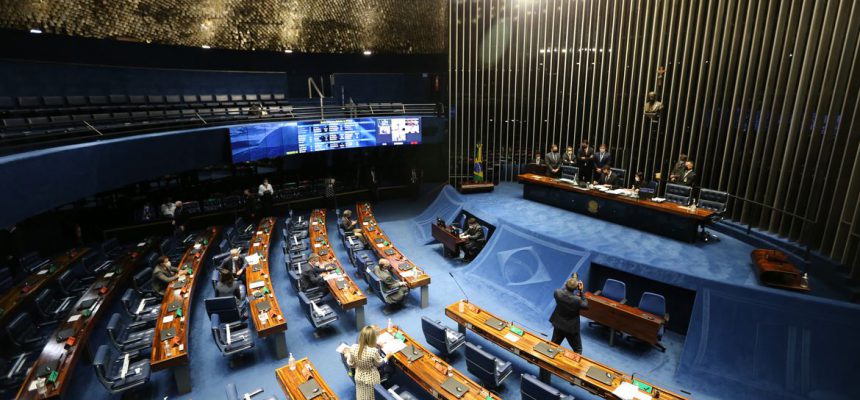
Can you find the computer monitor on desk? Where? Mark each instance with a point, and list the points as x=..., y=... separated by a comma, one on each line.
x=569, y=172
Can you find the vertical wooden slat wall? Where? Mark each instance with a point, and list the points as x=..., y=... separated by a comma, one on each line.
x=762, y=95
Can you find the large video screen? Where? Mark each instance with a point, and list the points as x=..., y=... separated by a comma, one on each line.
x=274, y=139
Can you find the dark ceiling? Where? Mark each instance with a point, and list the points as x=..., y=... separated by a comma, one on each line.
x=310, y=26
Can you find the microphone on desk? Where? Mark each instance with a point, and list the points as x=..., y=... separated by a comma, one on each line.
x=460, y=287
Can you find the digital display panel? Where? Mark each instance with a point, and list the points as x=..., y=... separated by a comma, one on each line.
x=274, y=139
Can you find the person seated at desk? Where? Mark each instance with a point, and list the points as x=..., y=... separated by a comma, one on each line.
x=228, y=286
x=474, y=236
x=390, y=282
x=347, y=223
x=569, y=300
x=608, y=178
x=553, y=162
x=235, y=263
x=163, y=274
x=311, y=278
x=638, y=181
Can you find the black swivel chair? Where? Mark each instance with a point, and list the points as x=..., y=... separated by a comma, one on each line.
x=13, y=370
x=444, y=339
x=230, y=330
x=140, y=308
x=52, y=309
x=23, y=333
x=717, y=202
x=109, y=370
x=70, y=285
x=679, y=194
x=129, y=336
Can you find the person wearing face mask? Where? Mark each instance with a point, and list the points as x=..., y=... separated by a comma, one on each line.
x=163, y=274
x=553, y=161
x=638, y=181
x=584, y=160
x=235, y=264
x=569, y=157
x=474, y=236
x=689, y=176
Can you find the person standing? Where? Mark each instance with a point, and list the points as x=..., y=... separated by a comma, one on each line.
x=250, y=205
x=569, y=157
x=553, y=161
x=569, y=301
x=689, y=176
x=602, y=158
x=365, y=358
x=584, y=157
x=678, y=169
x=267, y=195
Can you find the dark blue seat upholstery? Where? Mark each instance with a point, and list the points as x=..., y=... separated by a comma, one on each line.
x=233, y=393
x=129, y=336
x=70, y=285
x=615, y=290
x=109, y=371
x=319, y=314
x=230, y=337
x=142, y=283
x=532, y=388
x=95, y=262
x=446, y=340
x=364, y=259
x=23, y=333
x=140, y=308
x=388, y=394
x=111, y=247
x=50, y=308
x=489, y=369
x=655, y=304
x=13, y=370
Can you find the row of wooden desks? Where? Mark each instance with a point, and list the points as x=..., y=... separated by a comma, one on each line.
x=170, y=342
x=405, y=269
x=624, y=318
x=342, y=287
x=301, y=381
x=55, y=365
x=29, y=288
x=597, y=378
x=268, y=319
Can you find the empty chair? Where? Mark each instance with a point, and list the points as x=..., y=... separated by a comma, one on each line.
x=713, y=200
x=461, y=222
x=297, y=245
x=6, y=280
x=95, y=263
x=71, y=285
x=233, y=393
x=52, y=309
x=140, y=308
x=485, y=366
x=614, y=289
x=227, y=307
x=655, y=304
x=679, y=194
x=392, y=393
x=444, y=339
x=13, y=370
x=142, y=283
x=112, y=374
x=23, y=333
x=230, y=337
x=364, y=259
x=319, y=314
x=294, y=272
x=111, y=247
x=532, y=388
x=129, y=336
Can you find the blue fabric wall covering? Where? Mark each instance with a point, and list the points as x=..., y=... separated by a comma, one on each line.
x=447, y=206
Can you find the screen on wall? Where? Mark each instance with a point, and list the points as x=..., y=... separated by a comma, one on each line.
x=274, y=139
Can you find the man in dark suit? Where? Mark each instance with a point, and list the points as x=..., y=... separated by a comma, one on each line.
x=602, y=158
x=235, y=264
x=689, y=176
x=569, y=157
x=678, y=169
x=584, y=156
x=565, y=317
x=553, y=161
x=474, y=236
x=390, y=282
x=609, y=178
x=311, y=275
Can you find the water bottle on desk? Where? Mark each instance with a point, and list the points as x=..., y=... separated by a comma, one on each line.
x=291, y=362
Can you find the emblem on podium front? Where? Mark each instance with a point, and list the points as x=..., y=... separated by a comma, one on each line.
x=592, y=206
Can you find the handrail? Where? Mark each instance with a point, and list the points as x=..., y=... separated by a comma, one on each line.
x=312, y=84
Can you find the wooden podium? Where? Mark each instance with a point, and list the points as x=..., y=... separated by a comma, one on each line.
x=469, y=186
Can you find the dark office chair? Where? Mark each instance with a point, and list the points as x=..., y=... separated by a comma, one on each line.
x=142, y=283
x=532, y=388
x=95, y=263
x=129, y=336
x=294, y=272
x=319, y=314
x=390, y=393
x=621, y=173
x=570, y=173
x=227, y=307
x=615, y=290
x=230, y=337
x=364, y=259
x=655, y=304
x=679, y=194
x=13, y=370
x=486, y=367
x=444, y=339
x=70, y=285
x=109, y=371
x=52, y=309
x=717, y=202
x=233, y=393
x=23, y=333
x=140, y=308
x=461, y=222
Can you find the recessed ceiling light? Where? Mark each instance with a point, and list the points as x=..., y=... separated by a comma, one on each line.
x=206, y=46
x=367, y=52
x=288, y=51
x=36, y=31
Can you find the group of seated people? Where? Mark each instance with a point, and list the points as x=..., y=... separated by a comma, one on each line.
x=596, y=167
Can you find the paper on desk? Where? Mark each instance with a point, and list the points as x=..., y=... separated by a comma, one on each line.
x=141, y=244
x=629, y=391
x=168, y=319
x=389, y=344
x=331, y=275
x=42, y=272
x=109, y=274
x=512, y=337
x=380, y=245
x=317, y=245
x=257, y=284
x=253, y=259
x=74, y=318
x=364, y=223
x=408, y=274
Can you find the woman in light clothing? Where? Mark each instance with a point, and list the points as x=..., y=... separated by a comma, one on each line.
x=365, y=358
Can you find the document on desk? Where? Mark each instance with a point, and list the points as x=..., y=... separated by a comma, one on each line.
x=389, y=344
x=629, y=391
x=42, y=272
x=253, y=259
x=512, y=337
x=257, y=284
x=74, y=318
x=408, y=274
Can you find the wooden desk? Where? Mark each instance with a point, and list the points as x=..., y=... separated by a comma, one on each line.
x=350, y=297
x=666, y=219
x=175, y=356
x=430, y=372
x=382, y=246
x=450, y=242
x=774, y=269
x=305, y=371
x=566, y=364
x=274, y=323
x=26, y=290
x=66, y=357
x=624, y=318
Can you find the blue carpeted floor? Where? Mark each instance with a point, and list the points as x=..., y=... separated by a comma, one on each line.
x=612, y=245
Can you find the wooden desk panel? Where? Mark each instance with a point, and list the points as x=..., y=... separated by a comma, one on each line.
x=425, y=373
x=367, y=220
x=25, y=291
x=350, y=296
x=622, y=317
x=67, y=358
x=259, y=245
x=774, y=269
x=305, y=371
x=450, y=241
x=567, y=364
x=193, y=260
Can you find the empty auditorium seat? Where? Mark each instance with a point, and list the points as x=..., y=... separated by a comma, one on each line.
x=23, y=332
x=319, y=314
x=50, y=308
x=532, y=388
x=140, y=308
x=444, y=339
x=109, y=370
x=486, y=367
x=13, y=370
x=614, y=289
x=70, y=285
x=129, y=336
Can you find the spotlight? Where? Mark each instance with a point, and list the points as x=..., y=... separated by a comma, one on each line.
x=288, y=51
x=206, y=46
x=36, y=31
x=367, y=52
